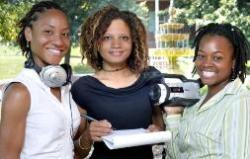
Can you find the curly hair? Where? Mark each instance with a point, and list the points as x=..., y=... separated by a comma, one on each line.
x=28, y=20
x=235, y=36
x=94, y=28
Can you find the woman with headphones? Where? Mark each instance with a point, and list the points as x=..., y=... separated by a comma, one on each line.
x=39, y=118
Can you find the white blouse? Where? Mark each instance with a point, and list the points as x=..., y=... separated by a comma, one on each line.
x=51, y=124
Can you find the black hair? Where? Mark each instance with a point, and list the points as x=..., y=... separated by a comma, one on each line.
x=31, y=16
x=235, y=36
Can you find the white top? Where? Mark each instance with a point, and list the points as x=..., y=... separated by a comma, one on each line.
x=49, y=125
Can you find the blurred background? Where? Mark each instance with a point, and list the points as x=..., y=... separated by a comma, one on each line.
x=170, y=26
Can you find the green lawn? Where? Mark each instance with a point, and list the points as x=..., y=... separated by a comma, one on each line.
x=11, y=62
x=10, y=66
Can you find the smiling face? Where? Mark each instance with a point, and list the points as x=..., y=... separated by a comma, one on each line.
x=116, y=44
x=49, y=37
x=214, y=61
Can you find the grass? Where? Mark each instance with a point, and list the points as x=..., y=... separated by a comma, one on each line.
x=10, y=66
x=12, y=61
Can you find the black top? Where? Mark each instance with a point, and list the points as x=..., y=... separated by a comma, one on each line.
x=124, y=108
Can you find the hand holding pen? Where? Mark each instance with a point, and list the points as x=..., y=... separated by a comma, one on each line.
x=89, y=118
x=98, y=128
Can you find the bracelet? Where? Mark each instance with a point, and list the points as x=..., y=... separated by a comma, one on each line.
x=83, y=147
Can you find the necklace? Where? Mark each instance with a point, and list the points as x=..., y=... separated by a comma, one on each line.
x=114, y=70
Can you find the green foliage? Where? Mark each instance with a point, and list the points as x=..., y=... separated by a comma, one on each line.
x=93, y=5
x=202, y=12
x=78, y=11
x=9, y=16
x=139, y=8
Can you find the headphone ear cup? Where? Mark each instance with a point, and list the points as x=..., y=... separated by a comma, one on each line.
x=53, y=76
x=68, y=70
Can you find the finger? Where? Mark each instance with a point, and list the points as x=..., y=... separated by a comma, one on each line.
x=100, y=126
x=99, y=129
x=153, y=128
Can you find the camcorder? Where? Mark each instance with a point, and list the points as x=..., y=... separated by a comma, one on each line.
x=175, y=90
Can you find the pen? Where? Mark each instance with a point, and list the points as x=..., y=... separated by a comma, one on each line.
x=88, y=117
x=91, y=118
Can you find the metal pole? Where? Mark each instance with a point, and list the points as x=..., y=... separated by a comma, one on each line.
x=156, y=21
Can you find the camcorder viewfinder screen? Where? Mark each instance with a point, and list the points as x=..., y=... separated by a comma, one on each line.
x=176, y=89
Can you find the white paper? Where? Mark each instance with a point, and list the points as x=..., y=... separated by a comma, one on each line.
x=135, y=137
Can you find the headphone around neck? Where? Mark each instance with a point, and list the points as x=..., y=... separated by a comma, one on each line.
x=52, y=75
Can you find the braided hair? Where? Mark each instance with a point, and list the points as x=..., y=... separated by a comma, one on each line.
x=28, y=20
x=235, y=36
x=94, y=28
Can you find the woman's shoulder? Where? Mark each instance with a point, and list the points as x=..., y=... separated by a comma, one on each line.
x=151, y=69
x=84, y=82
x=241, y=89
x=239, y=99
x=16, y=94
x=82, y=79
x=151, y=74
x=243, y=93
x=17, y=87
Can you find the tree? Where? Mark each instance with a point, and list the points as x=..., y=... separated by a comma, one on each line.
x=139, y=8
x=79, y=10
x=9, y=15
x=236, y=12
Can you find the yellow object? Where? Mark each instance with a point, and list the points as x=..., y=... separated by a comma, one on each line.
x=174, y=26
x=174, y=52
x=172, y=37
